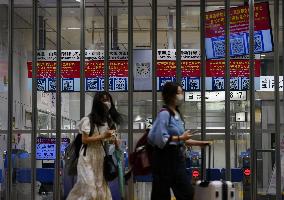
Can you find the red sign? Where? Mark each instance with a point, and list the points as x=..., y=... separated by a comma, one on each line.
x=167, y=68
x=239, y=20
x=247, y=172
x=238, y=68
x=195, y=173
x=214, y=68
x=71, y=69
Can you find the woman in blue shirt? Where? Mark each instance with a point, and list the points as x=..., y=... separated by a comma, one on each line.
x=168, y=138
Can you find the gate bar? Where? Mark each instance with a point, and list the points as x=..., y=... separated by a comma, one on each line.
x=57, y=190
x=227, y=91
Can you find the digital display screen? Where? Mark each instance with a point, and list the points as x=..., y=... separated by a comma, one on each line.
x=46, y=148
x=239, y=31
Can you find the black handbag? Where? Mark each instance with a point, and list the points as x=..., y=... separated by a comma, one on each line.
x=109, y=168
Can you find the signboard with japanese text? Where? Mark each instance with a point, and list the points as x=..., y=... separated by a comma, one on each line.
x=94, y=70
x=267, y=83
x=236, y=83
x=74, y=55
x=239, y=31
x=214, y=68
x=216, y=96
x=212, y=83
x=118, y=70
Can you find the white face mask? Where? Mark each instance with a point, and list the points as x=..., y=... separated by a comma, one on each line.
x=180, y=99
x=108, y=104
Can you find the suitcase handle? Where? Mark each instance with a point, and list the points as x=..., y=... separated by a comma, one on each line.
x=209, y=156
x=209, y=162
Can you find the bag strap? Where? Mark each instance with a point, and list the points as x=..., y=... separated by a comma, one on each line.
x=85, y=149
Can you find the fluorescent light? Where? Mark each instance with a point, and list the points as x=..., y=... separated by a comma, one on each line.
x=211, y=127
x=73, y=28
x=78, y=0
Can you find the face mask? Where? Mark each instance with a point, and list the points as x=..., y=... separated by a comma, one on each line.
x=108, y=105
x=180, y=99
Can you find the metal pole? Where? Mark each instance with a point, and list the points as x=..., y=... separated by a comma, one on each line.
x=178, y=42
x=10, y=98
x=227, y=91
x=130, y=89
x=252, y=101
x=277, y=102
x=58, y=101
x=154, y=59
x=34, y=99
x=106, y=46
x=82, y=60
x=203, y=76
x=282, y=62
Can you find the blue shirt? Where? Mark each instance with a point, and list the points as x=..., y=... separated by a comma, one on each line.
x=165, y=126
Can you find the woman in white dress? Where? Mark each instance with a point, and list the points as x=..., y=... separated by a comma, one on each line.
x=91, y=184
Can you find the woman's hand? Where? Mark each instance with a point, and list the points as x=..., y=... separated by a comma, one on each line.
x=107, y=134
x=185, y=136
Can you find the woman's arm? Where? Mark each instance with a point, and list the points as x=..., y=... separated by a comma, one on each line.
x=96, y=137
x=184, y=137
x=191, y=142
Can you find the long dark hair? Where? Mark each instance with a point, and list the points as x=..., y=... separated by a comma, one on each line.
x=100, y=113
x=169, y=93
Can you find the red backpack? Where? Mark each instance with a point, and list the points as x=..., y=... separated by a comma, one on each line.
x=141, y=158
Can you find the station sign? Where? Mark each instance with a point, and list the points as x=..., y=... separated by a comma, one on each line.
x=216, y=96
x=267, y=83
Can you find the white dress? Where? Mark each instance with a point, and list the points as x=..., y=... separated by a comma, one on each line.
x=90, y=184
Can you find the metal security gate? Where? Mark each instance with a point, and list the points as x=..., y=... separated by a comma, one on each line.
x=154, y=47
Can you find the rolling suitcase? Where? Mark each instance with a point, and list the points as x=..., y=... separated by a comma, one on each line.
x=214, y=190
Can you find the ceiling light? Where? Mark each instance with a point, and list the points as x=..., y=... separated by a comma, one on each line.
x=78, y=0
x=73, y=28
